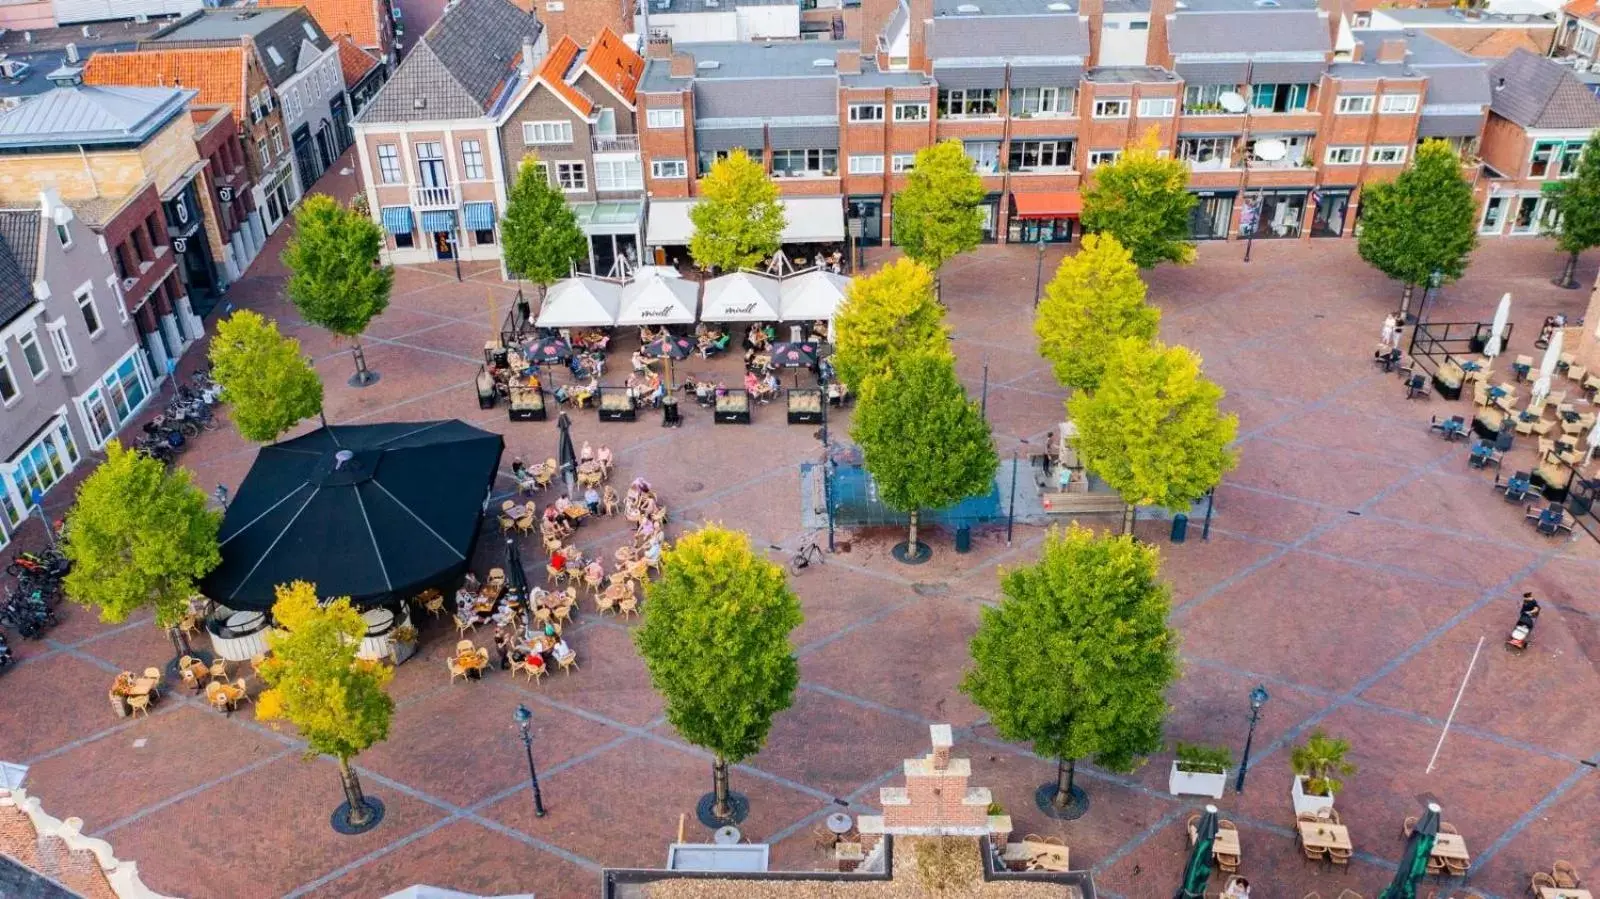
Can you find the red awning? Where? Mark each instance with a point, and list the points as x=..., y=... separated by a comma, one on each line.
x=1047, y=204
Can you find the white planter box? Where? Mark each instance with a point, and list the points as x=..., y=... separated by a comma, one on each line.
x=1191, y=783
x=1304, y=804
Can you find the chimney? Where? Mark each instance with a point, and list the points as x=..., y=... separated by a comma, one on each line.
x=682, y=65
x=1392, y=49
x=1357, y=50
x=658, y=47
x=528, y=50
x=848, y=62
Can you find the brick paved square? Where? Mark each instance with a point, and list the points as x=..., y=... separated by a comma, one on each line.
x=1291, y=590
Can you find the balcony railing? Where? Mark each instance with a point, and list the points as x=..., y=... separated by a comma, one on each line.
x=433, y=197
x=616, y=143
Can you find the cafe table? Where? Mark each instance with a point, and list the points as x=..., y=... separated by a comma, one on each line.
x=1226, y=842
x=1325, y=835
x=144, y=686
x=1451, y=846
x=1564, y=893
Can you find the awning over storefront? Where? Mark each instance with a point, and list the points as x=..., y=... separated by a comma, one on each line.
x=740, y=297
x=580, y=302
x=397, y=219
x=609, y=217
x=807, y=220
x=478, y=216
x=655, y=300
x=813, y=296
x=439, y=220
x=1055, y=204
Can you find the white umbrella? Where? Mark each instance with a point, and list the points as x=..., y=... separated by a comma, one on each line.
x=1541, y=388
x=1552, y=355
x=580, y=302
x=1502, y=315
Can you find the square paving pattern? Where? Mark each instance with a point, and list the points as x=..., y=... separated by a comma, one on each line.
x=1355, y=565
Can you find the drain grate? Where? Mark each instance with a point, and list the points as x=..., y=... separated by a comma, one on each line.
x=937, y=589
x=693, y=487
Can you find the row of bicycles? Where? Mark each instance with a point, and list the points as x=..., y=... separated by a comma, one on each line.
x=31, y=599
x=187, y=414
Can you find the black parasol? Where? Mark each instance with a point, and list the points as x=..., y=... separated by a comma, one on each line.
x=377, y=513
x=566, y=456
x=669, y=347
x=794, y=355
x=548, y=351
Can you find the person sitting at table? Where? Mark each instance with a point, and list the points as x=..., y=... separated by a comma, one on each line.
x=561, y=651
x=751, y=383
x=640, y=362
x=608, y=500
x=1238, y=888
x=558, y=560
x=465, y=600
x=769, y=384
x=605, y=457
x=591, y=498
x=652, y=552
x=534, y=660
x=502, y=648
x=586, y=453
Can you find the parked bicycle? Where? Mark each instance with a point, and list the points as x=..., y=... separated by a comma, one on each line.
x=809, y=554
x=50, y=562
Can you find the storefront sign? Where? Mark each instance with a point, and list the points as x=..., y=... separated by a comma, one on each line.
x=180, y=244
x=225, y=194
x=746, y=309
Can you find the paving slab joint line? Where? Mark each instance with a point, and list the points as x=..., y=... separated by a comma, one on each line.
x=1531, y=815
x=193, y=791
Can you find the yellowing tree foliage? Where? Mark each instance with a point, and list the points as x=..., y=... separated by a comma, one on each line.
x=888, y=312
x=1095, y=299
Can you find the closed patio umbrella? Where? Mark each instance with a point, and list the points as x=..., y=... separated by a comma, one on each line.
x=1502, y=315
x=566, y=456
x=1198, y=869
x=1593, y=443
x=1552, y=356
x=1541, y=388
x=1414, y=864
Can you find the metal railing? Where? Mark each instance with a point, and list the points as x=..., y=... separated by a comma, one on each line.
x=615, y=143
x=433, y=197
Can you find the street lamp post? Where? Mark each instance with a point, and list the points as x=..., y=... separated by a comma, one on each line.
x=455, y=253
x=523, y=717
x=1038, y=273
x=1258, y=698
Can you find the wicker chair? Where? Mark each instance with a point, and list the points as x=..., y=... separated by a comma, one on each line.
x=456, y=669
x=139, y=704
x=627, y=606
x=1409, y=825
x=1566, y=875
x=1541, y=881
x=1339, y=856
x=568, y=663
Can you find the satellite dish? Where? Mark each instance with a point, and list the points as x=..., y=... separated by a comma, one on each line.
x=1231, y=102
x=1271, y=150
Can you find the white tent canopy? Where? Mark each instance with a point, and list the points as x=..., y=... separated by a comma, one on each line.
x=654, y=300
x=806, y=220
x=812, y=296
x=741, y=297
x=580, y=302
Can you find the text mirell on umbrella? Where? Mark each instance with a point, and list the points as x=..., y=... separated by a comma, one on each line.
x=663, y=312
x=746, y=309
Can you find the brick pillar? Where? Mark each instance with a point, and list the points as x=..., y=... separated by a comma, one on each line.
x=942, y=741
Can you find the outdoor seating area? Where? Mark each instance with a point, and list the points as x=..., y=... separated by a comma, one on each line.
x=1560, y=882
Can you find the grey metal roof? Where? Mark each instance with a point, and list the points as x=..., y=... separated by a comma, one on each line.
x=87, y=116
x=1536, y=92
x=726, y=98
x=657, y=78
x=19, y=261
x=458, y=66
x=224, y=24
x=1007, y=37
x=871, y=77
x=1253, y=31
x=746, y=59
x=1449, y=125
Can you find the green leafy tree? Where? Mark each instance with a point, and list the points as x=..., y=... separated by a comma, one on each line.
x=315, y=682
x=939, y=215
x=539, y=233
x=1577, y=200
x=924, y=443
x=1152, y=430
x=142, y=537
x=715, y=639
x=1424, y=221
x=885, y=313
x=1143, y=201
x=1095, y=299
x=738, y=221
x=335, y=278
x=269, y=386
x=1077, y=657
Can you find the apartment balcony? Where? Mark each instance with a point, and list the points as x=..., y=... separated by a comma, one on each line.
x=615, y=143
x=434, y=197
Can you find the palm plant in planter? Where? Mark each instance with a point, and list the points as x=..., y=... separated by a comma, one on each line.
x=1199, y=770
x=1318, y=764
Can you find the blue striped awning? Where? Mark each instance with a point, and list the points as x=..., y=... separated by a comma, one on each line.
x=439, y=220
x=478, y=216
x=397, y=219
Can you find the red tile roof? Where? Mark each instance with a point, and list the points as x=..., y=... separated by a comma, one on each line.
x=355, y=61
x=1583, y=9
x=615, y=64
x=217, y=73
x=553, y=72
x=357, y=18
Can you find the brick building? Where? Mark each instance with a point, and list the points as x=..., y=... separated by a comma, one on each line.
x=428, y=142
x=576, y=115
x=1539, y=119
x=230, y=76
x=127, y=162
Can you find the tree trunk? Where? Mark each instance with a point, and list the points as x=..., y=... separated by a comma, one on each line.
x=1066, y=769
x=1405, y=302
x=1129, y=513
x=911, y=539
x=360, y=812
x=719, y=787
x=361, y=360
x=1567, y=280
x=180, y=643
